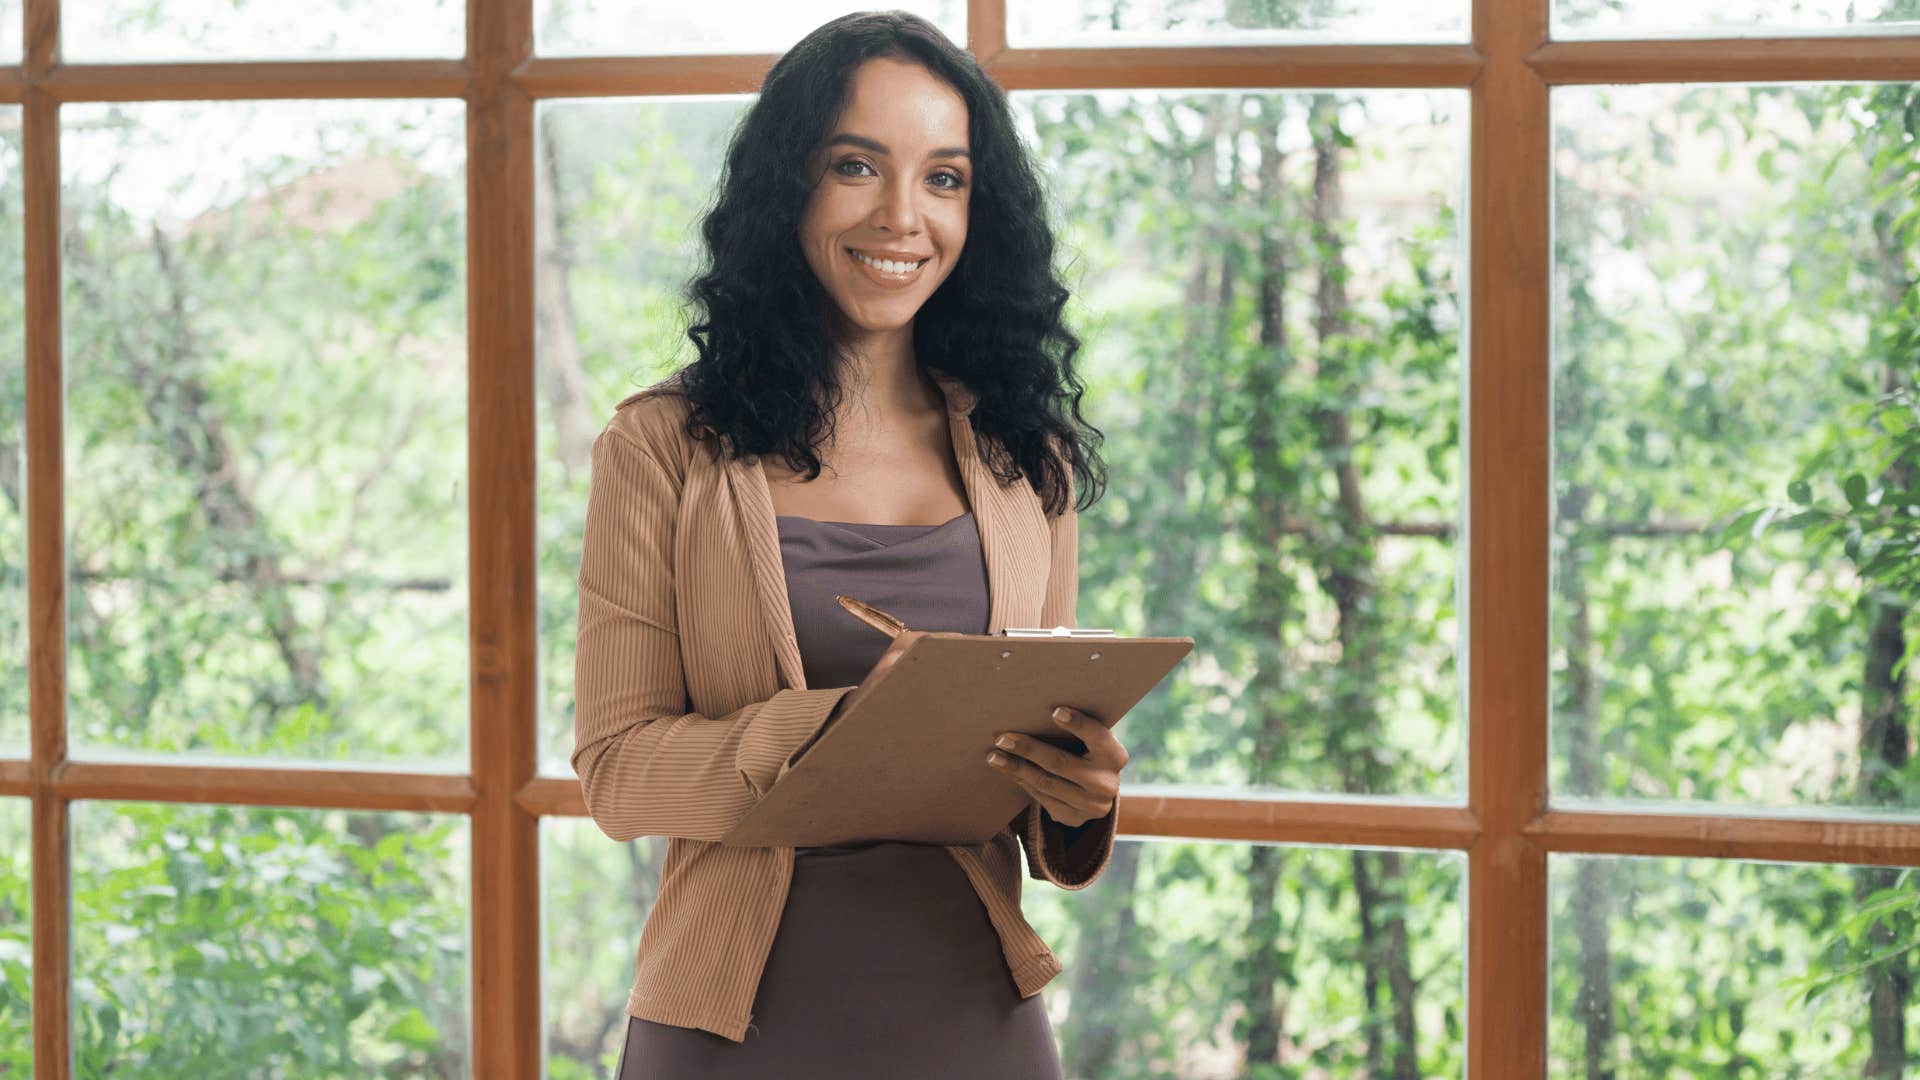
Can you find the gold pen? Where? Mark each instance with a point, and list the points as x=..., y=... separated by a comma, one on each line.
x=872, y=616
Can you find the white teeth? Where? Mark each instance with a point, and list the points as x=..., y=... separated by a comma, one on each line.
x=887, y=266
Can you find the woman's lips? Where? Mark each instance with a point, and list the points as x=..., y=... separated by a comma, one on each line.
x=882, y=278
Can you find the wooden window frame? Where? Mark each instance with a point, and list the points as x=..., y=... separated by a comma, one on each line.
x=1505, y=826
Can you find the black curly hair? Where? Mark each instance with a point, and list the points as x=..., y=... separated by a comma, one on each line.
x=765, y=380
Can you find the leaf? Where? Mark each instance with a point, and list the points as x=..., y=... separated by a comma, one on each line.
x=1855, y=488
x=414, y=1028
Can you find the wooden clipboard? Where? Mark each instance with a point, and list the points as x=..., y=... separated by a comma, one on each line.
x=906, y=758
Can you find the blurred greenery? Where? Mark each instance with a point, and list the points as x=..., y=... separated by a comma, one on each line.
x=1734, y=352
x=265, y=342
x=223, y=941
x=267, y=429
x=13, y=475
x=16, y=938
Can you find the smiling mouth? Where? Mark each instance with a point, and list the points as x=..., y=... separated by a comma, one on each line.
x=888, y=267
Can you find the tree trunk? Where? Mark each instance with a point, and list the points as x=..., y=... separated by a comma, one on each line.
x=1267, y=960
x=1102, y=1000
x=1348, y=575
x=190, y=430
x=1884, y=753
x=1884, y=729
x=563, y=378
x=1578, y=717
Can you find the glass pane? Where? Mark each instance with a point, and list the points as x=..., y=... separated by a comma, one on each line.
x=1267, y=289
x=1228, y=22
x=137, y=30
x=238, y=941
x=614, y=27
x=1739, y=18
x=1735, y=444
x=595, y=895
x=266, y=348
x=10, y=25
x=1676, y=967
x=16, y=938
x=1197, y=960
x=1183, y=960
x=13, y=441
x=619, y=186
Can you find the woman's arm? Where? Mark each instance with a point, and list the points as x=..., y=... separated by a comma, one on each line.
x=647, y=766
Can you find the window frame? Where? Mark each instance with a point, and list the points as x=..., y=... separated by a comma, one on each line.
x=1505, y=824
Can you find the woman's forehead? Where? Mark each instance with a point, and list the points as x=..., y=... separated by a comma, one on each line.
x=893, y=102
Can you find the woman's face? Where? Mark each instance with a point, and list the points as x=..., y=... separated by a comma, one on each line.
x=888, y=214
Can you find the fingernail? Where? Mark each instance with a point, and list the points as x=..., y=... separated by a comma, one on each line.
x=1004, y=742
x=995, y=759
x=1060, y=715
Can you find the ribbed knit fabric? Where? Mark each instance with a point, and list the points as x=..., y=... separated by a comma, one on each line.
x=690, y=697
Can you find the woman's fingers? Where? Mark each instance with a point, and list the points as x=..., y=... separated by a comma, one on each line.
x=1103, y=747
x=1072, y=812
x=1070, y=798
x=1064, y=768
x=1073, y=788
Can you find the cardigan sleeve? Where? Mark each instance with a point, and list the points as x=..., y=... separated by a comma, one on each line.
x=647, y=765
x=1070, y=857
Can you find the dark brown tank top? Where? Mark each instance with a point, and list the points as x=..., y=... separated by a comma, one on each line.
x=934, y=577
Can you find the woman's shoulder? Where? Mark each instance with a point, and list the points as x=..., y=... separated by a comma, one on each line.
x=655, y=419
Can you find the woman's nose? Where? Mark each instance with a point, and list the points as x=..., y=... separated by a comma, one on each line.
x=899, y=208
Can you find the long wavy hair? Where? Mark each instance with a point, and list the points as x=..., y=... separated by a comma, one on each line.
x=766, y=382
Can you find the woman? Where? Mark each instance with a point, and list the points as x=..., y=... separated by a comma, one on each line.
x=880, y=319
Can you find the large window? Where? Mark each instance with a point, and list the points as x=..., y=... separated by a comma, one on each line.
x=1515, y=400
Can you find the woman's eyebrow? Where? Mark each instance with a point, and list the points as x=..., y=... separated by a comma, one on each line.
x=865, y=143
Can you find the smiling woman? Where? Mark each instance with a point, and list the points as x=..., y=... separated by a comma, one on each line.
x=880, y=305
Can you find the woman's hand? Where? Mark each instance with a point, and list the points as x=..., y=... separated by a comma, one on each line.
x=1073, y=789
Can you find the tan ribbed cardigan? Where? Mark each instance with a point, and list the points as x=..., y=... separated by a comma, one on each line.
x=689, y=697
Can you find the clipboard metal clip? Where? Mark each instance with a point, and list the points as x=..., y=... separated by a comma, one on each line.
x=893, y=627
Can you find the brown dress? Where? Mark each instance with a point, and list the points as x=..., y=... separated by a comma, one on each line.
x=885, y=964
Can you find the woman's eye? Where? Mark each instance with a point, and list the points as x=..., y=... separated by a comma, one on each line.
x=945, y=180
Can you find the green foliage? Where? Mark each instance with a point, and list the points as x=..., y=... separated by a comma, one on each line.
x=210, y=940
x=1756, y=389
x=267, y=429
x=16, y=946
